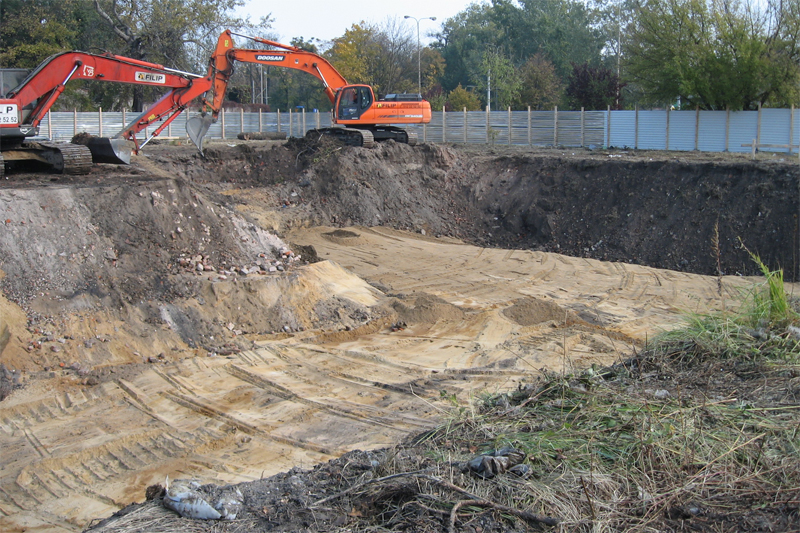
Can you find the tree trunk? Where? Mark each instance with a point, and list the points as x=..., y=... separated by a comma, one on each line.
x=135, y=49
x=138, y=98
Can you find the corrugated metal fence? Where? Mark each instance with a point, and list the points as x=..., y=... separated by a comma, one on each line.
x=775, y=130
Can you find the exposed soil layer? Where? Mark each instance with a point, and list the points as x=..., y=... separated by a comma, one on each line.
x=689, y=212
x=666, y=210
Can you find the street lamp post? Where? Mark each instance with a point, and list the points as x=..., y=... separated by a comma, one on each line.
x=419, y=51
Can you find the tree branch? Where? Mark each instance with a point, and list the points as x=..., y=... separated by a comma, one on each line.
x=525, y=515
x=126, y=35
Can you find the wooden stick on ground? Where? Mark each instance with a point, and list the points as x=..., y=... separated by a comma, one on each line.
x=474, y=500
x=525, y=515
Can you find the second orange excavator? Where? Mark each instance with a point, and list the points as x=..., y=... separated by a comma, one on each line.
x=26, y=97
x=359, y=118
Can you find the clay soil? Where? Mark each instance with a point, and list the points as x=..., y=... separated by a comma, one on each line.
x=250, y=315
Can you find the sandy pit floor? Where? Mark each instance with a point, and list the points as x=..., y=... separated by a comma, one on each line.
x=467, y=320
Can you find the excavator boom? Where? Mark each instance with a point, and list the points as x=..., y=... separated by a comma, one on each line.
x=297, y=59
x=48, y=81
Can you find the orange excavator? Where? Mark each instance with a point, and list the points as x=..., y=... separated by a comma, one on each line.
x=359, y=118
x=26, y=97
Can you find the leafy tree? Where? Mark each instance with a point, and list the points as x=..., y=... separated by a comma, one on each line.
x=437, y=97
x=384, y=57
x=395, y=65
x=286, y=88
x=309, y=91
x=593, y=88
x=433, y=67
x=159, y=31
x=498, y=74
x=32, y=31
x=716, y=54
x=612, y=18
x=353, y=53
x=460, y=98
x=312, y=45
x=541, y=87
x=563, y=31
x=462, y=42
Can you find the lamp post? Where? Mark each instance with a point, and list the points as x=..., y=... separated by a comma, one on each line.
x=419, y=51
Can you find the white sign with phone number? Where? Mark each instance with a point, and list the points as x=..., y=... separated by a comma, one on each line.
x=9, y=114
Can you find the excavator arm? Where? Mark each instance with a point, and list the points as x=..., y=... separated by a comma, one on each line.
x=44, y=85
x=221, y=67
x=284, y=56
x=25, y=106
x=173, y=103
x=164, y=111
x=22, y=108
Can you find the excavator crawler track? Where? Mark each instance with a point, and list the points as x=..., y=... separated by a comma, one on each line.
x=393, y=133
x=350, y=136
x=65, y=158
x=367, y=139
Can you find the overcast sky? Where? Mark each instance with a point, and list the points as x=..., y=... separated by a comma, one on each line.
x=329, y=19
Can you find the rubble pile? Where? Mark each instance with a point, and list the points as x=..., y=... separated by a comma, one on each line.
x=264, y=264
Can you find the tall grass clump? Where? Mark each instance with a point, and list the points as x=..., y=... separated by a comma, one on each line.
x=766, y=325
x=769, y=305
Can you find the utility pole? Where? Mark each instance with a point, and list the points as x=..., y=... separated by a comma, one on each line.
x=419, y=51
x=489, y=90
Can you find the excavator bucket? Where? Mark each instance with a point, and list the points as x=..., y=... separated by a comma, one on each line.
x=197, y=127
x=114, y=151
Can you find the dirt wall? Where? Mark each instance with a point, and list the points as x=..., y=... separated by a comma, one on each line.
x=651, y=208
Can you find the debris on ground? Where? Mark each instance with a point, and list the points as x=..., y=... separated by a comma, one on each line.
x=191, y=499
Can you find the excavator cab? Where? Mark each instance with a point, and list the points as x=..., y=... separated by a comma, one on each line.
x=352, y=101
x=10, y=79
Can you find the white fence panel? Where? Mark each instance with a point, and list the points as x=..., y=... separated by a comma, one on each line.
x=569, y=128
x=623, y=130
x=744, y=129
x=498, y=127
x=519, y=127
x=595, y=128
x=711, y=131
x=652, y=130
x=542, y=128
x=775, y=127
x=682, y=130
x=646, y=129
